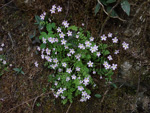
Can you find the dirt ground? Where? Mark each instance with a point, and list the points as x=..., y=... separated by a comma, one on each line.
x=29, y=93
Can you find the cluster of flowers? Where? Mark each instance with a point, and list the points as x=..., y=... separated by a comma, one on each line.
x=108, y=66
x=61, y=90
x=1, y=49
x=125, y=45
x=84, y=97
x=115, y=40
x=3, y=61
x=1, y=46
x=72, y=51
x=69, y=72
x=45, y=54
x=42, y=16
x=52, y=10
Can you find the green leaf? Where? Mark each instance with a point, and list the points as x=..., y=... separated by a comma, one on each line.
x=70, y=100
x=49, y=27
x=88, y=92
x=42, y=46
x=53, y=25
x=69, y=44
x=110, y=1
x=64, y=101
x=110, y=72
x=126, y=7
x=38, y=104
x=38, y=19
x=16, y=69
x=105, y=52
x=76, y=82
x=83, y=56
x=50, y=34
x=72, y=90
x=103, y=71
x=59, y=48
x=50, y=78
x=114, y=85
x=104, y=46
x=78, y=64
x=19, y=70
x=66, y=59
x=40, y=27
x=6, y=69
x=32, y=36
x=22, y=73
x=88, y=57
x=80, y=29
x=113, y=13
x=97, y=8
x=73, y=28
x=77, y=93
x=69, y=96
x=104, y=2
x=36, y=40
x=42, y=23
x=43, y=34
x=97, y=95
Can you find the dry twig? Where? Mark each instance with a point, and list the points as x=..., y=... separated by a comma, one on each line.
x=67, y=9
x=68, y=108
x=11, y=39
x=104, y=95
x=109, y=15
x=6, y=4
x=34, y=103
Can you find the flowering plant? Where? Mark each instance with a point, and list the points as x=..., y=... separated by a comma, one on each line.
x=3, y=63
x=74, y=57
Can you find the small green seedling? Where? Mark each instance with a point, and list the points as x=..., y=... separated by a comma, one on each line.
x=19, y=70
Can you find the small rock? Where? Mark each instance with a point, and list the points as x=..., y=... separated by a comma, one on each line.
x=29, y=48
x=126, y=66
x=125, y=70
x=128, y=33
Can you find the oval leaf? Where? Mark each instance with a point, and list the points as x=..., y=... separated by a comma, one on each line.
x=103, y=2
x=105, y=52
x=126, y=7
x=98, y=96
x=43, y=46
x=97, y=8
x=49, y=27
x=110, y=1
